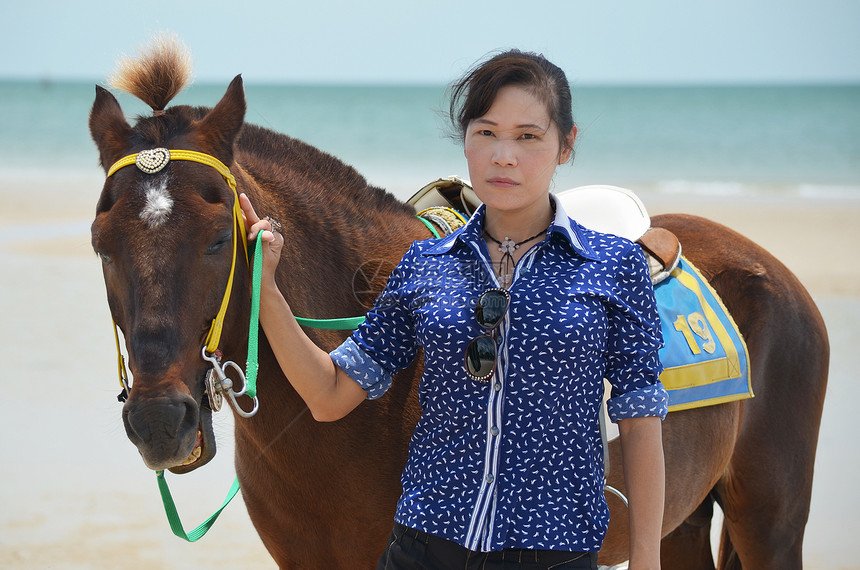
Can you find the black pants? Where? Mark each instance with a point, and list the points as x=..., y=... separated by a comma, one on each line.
x=410, y=549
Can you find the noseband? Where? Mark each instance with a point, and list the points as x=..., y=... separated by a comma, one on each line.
x=153, y=161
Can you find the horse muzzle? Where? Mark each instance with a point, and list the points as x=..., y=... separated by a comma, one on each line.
x=170, y=431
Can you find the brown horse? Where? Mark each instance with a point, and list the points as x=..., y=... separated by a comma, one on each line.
x=323, y=495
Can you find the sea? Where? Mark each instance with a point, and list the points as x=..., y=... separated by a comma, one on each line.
x=792, y=141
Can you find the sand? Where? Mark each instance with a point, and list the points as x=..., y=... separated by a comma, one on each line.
x=75, y=494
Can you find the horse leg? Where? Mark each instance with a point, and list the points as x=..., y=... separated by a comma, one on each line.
x=766, y=490
x=688, y=547
x=728, y=556
x=765, y=513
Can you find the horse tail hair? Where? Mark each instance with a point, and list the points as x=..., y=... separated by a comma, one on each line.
x=157, y=74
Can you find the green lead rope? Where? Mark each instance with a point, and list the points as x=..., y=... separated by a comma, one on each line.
x=252, y=366
x=343, y=324
x=173, y=516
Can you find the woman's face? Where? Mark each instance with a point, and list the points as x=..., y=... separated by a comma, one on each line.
x=513, y=151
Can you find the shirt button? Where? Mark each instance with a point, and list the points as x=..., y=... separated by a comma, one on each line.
x=494, y=430
x=497, y=386
x=489, y=478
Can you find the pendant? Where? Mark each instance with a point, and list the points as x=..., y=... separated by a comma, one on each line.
x=506, y=267
x=508, y=246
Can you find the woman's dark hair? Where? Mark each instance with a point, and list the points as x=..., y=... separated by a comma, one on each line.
x=473, y=95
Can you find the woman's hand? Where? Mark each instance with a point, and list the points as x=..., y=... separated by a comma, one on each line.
x=273, y=241
x=328, y=391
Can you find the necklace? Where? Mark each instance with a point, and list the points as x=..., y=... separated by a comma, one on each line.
x=507, y=247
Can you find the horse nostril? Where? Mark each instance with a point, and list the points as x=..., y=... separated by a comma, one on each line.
x=191, y=419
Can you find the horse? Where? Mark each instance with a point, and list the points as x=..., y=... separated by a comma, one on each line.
x=323, y=495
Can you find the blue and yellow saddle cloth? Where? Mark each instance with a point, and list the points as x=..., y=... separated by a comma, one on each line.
x=705, y=359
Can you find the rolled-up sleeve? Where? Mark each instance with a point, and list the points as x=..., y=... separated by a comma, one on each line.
x=635, y=338
x=385, y=343
x=359, y=366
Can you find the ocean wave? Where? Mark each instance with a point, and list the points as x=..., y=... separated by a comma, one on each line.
x=734, y=189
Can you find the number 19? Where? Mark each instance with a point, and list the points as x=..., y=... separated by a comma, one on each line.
x=695, y=324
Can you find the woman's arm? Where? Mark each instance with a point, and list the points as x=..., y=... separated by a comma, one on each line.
x=327, y=390
x=645, y=479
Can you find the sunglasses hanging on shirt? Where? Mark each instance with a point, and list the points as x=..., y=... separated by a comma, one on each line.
x=481, y=352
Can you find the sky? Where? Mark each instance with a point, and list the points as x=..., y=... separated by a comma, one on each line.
x=432, y=42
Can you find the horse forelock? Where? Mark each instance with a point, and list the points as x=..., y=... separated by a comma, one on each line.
x=158, y=73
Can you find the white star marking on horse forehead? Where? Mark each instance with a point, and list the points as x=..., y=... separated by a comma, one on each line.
x=158, y=202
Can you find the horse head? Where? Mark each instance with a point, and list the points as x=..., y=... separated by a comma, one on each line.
x=165, y=231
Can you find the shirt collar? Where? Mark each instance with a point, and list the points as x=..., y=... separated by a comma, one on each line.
x=472, y=233
x=571, y=231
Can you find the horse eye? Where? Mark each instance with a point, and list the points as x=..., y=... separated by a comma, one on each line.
x=217, y=244
x=104, y=257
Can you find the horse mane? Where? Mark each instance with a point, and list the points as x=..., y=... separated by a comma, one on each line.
x=318, y=177
x=157, y=74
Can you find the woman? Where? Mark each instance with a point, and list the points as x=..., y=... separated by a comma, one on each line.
x=520, y=314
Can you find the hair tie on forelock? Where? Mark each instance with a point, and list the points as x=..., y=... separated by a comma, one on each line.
x=158, y=112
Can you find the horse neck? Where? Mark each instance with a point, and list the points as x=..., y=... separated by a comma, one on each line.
x=335, y=228
x=354, y=251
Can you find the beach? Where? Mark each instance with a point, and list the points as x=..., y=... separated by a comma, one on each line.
x=76, y=494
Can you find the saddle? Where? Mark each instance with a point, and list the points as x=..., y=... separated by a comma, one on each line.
x=451, y=192
x=447, y=202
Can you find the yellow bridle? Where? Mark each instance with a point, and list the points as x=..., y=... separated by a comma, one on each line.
x=154, y=160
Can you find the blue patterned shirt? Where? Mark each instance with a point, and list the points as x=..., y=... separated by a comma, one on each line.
x=515, y=462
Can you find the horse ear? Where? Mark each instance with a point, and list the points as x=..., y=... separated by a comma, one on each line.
x=219, y=128
x=108, y=127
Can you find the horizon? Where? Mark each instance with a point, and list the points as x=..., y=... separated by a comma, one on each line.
x=679, y=84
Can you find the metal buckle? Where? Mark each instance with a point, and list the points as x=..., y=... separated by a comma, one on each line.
x=218, y=384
